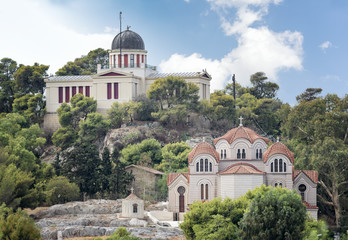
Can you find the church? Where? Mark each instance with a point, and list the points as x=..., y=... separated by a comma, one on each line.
x=126, y=77
x=240, y=161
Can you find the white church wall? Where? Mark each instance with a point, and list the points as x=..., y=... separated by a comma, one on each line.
x=311, y=188
x=241, y=143
x=236, y=185
x=195, y=186
x=173, y=195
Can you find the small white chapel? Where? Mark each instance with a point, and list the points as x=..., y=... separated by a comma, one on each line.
x=238, y=162
x=125, y=78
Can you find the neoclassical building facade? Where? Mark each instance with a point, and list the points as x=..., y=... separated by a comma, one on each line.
x=126, y=77
x=240, y=161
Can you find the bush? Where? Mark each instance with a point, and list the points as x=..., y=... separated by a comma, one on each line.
x=62, y=191
x=18, y=226
x=121, y=234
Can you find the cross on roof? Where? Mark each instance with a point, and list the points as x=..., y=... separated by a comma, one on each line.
x=240, y=121
x=278, y=138
x=132, y=190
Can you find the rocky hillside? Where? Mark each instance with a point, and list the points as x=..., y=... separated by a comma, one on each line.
x=93, y=218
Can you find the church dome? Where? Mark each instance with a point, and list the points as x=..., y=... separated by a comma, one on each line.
x=129, y=40
x=203, y=148
x=278, y=148
x=241, y=132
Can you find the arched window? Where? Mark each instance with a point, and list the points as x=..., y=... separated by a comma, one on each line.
x=280, y=165
x=210, y=167
x=206, y=165
x=302, y=188
x=243, y=153
x=275, y=165
x=260, y=153
x=225, y=155
x=206, y=191
x=271, y=167
x=222, y=155
x=257, y=153
x=284, y=166
x=238, y=154
x=135, y=208
x=202, y=191
x=197, y=167
x=201, y=165
x=276, y=184
x=280, y=185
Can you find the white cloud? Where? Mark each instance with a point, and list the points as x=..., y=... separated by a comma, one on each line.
x=187, y=1
x=37, y=35
x=259, y=49
x=325, y=45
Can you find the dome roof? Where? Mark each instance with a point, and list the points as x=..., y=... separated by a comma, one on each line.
x=278, y=148
x=129, y=40
x=241, y=132
x=203, y=148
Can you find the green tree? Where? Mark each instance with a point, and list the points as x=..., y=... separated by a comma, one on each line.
x=174, y=157
x=121, y=234
x=106, y=169
x=171, y=91
x=80, y=165
x=173, y=117
x=7, y=85
x=261, y=88
x=218, y=219
x=116, y=115
x=239, y=90
x=121, y=178
x=85, y=65
x=18, y=226
x=151, y=147
x=30, y=106
x=309, y=95
x=30, y=79
x=316, y=230
x=277, y=214
x=61, y=190
x=223, y=105
x=93, y=128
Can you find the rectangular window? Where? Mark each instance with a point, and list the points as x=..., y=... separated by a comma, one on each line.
x=60, y=94
x=201, y=165
x=109, y=90
x=132, y=60
x=73, y=91
x=67, y=94
x=202, y=191
x=135, y=89
x=114, y=62
x=119, y=61
x=81, y=90
x=87, y=91
x=126, y=60
x=206, y=191
x=142, y=58
x=138, y=60
x=115, y=90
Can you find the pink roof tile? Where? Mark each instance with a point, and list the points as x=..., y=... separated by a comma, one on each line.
x=280, y=148
x=241, y=132
x=132, y=196
x=241, y=168
x=309, y=206
x=203, y=148
x=173, y=176
x=311, y=174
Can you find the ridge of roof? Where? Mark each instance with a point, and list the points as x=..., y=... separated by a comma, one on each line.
x=146, y=169
x=311, y=174
x=173, y=176
x=241, y=168
x=132, y=196
x=70, y=78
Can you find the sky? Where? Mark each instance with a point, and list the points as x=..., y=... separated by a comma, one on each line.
x=297, y=43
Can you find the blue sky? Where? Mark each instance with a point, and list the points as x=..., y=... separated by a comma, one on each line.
x=298, y=44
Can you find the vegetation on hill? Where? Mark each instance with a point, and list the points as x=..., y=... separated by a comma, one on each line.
x=315, y=129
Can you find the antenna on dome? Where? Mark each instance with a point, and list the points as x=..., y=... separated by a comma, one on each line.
x=120, y=58
x=128, y=27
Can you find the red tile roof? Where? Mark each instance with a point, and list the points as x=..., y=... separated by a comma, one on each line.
x=241, y=132
x=311, y=174
x=309, y=206
x=241, y=168
x=146, y=169
x=203, y=148
x=173, y=176
x=132, y=196
x=278, y=147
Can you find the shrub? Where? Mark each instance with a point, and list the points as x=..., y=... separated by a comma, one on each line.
x=62, y=191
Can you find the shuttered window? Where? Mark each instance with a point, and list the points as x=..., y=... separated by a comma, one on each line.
x=87, y=91
x=81, y=90
x=109, y=90
x=73, y=91
x=115, y=90
x=60, y=94
x=67, y=94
